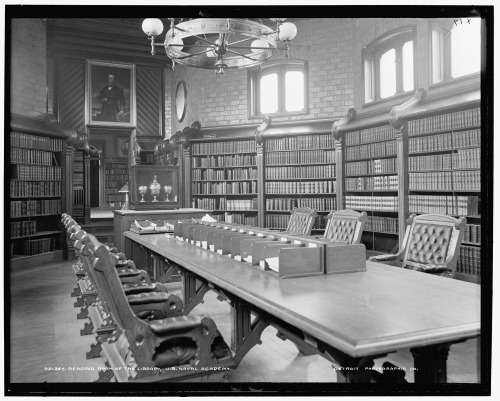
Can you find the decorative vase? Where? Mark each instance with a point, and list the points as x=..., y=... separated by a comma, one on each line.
x=168, y=190
x=155, y=188
x=142, y=190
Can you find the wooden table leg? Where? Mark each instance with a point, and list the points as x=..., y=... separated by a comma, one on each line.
x=430, y=363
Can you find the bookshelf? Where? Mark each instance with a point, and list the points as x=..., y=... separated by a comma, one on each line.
x=116, y=176
x=371, y=183
x=79, y=186
x=444, y=169
x=36, y=192
x=224, y=179
x=299, y=171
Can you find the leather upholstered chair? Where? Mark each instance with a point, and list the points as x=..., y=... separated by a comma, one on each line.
x=301, y=221
x=151, y=347
x=431, y=244
x=345, y=226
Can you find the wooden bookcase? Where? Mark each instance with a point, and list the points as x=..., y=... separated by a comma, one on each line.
x=79, y=185
x=224, y=179
x=444, y=164
x=116, y=176
x=36, y=192
x=371, y=183
x=299, y=171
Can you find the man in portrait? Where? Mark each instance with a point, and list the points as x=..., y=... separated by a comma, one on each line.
x=112, y=99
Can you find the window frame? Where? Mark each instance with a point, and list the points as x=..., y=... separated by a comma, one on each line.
x=371, y=55
x=441, y=58
x=281, y=67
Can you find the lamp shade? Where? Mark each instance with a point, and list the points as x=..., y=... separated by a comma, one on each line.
x=211, y=52
x=124, y=189
x=288, y=31
x=257, y=44
x=152, y=26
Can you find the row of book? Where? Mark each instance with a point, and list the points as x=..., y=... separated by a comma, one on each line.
x=22, y=228
x=377, y=166
x=447, y=141
x=27, y=141
x=218, y=188
x=210, y=148
x=39, y=246
x=318, y=141
x=115, y=198
x=287, y=204
x=225, y=204
x=459, y=180
x=116, y=204
x=444, y=204
x=78, y=211
x=461, y=159
x=374, y=134
x=241, y=218
x=35, y=207
x=78, y=179
x=116, y=171
x=382, y=224
x=78, y=195
x=448, y=121
x=36, y=173
x=225, y=161
x=300, y=157
x=377, y=203
x=238, y=204
x=301, y=187
x=469, y=260
x=320, y=171
x=378, y=183
x=472, y=234
x=226, y=174
x=35, y=188
x=371, y=150
x=116, y=181
x=32, y=156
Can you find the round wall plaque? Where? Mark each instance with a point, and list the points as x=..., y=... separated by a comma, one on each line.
x=180, y=100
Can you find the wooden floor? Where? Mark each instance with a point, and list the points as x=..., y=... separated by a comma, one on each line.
x=46, y=346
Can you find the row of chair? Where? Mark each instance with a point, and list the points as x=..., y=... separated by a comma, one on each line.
x=140, y=327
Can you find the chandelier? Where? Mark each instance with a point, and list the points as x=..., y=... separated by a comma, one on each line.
x=220, y=43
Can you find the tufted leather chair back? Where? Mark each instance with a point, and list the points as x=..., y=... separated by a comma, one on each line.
x=345, y=226
x=301, y=221
x=433, y=240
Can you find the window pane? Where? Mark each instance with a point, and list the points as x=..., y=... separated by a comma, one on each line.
x=388, y=74
x=465, y=47
x=294, y=91
x=269, y=93
x=408, y=66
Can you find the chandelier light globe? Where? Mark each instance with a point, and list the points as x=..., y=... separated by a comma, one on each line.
x=257, y=45
x=211, y=52
x=152, y=27
x=287, y=32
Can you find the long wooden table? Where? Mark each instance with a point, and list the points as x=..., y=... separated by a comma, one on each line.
x=350, y=318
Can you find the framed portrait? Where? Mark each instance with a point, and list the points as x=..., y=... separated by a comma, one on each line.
x=122, y=146
x=110, y=94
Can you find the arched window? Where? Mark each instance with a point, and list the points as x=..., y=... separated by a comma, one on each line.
x=278, y=88
x=456, y=48
x=388, y=65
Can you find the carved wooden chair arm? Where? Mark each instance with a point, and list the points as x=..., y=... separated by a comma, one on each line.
x=383, y=258
x=155, y=305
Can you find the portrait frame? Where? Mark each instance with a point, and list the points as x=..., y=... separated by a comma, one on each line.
x=117, y=109
x=122, y=147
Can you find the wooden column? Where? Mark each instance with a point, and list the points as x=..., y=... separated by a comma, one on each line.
x=396, y=120
x=402, y=168
x=261, y=178
x=186, y=177
x=337, y=131
x=68, y=190
x=87, y=178
x=339, y=174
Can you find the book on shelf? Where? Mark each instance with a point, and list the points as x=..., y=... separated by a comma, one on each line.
x=442, y=122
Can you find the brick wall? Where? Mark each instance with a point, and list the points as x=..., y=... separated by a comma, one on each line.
x=28, y=67
x=222, y=100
